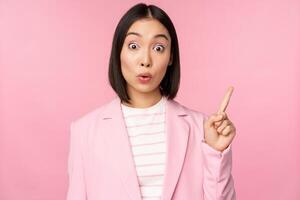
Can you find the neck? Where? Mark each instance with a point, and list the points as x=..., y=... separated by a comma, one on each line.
x=143, y=100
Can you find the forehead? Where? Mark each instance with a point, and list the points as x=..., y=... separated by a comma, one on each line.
x=148, y=28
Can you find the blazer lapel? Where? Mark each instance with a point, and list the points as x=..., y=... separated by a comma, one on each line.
x=113, y=128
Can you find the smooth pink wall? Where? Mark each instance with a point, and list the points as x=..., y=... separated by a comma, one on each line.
x=54, y=61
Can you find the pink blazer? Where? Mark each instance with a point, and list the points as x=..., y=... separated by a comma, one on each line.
x=101, y=166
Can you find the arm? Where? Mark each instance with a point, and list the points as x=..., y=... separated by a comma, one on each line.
x=218, y=182
x=76, y=188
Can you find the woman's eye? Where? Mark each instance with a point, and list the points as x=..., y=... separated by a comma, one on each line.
x=132, y=46
x=159, y=48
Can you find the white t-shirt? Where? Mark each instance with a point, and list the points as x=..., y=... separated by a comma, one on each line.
x=146, y=132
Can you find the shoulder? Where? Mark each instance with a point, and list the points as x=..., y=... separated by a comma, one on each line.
x=86, y=119
x=193, y=113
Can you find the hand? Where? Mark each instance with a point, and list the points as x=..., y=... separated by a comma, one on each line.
x=219, y=131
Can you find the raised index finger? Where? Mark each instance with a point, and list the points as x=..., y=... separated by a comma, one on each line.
x=226, y=99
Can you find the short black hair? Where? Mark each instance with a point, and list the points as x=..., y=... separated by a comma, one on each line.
x=170, y=83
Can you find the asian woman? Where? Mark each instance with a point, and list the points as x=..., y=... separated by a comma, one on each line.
x=144, y=145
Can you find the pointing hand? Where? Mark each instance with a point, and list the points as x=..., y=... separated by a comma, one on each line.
x=219, y=131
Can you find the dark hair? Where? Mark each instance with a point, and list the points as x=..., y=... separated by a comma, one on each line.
x=170, y=83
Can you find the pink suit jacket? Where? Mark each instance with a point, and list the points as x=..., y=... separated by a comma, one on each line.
x=101, y=166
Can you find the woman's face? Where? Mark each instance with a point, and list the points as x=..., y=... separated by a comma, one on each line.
x=146, y=49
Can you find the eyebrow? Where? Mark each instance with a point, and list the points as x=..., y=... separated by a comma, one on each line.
x=156, y=36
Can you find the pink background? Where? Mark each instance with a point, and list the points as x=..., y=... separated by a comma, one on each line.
x=54, y=62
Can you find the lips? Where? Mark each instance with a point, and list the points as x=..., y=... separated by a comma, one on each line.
x=147, y=74
x=144, y=78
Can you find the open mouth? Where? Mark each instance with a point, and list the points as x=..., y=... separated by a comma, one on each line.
x=144, y=79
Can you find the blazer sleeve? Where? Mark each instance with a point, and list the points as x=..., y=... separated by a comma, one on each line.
x=218, y=182
x=76, y=187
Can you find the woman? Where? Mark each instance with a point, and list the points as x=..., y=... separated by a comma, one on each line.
x=143, y=145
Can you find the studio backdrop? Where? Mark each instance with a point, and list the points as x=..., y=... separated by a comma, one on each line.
x=54, y=68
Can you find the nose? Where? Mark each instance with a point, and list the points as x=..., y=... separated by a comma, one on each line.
x=145, y=64
x=146, y=60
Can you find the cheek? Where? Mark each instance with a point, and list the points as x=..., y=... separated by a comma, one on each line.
x=127, y=62
x=163, y=60
x=162, y=66
x=162, y=71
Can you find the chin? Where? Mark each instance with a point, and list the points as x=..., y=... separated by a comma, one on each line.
x=145, y=88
